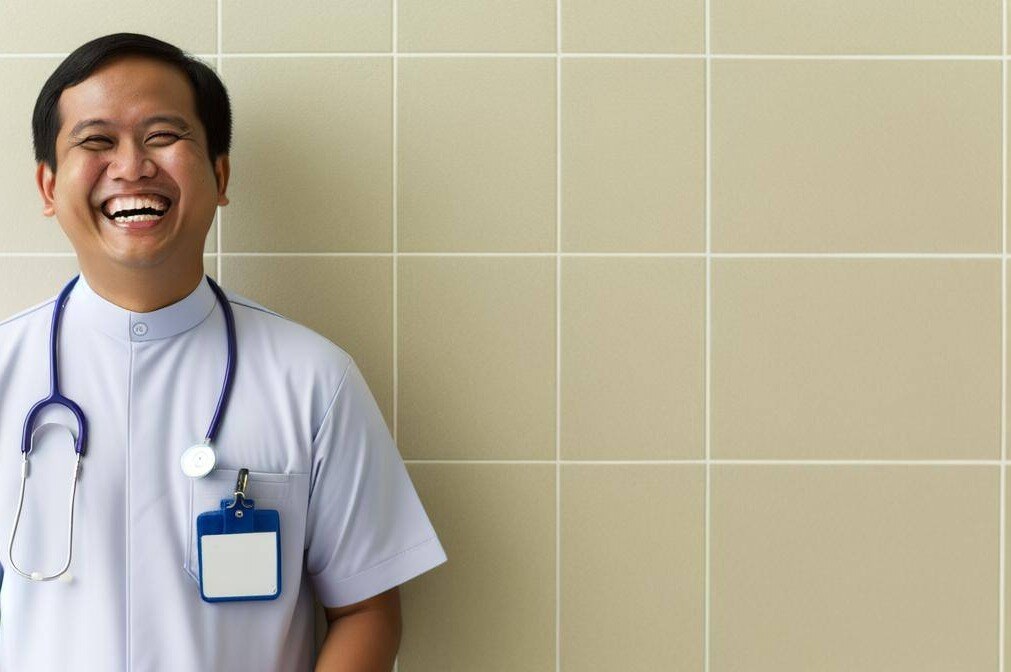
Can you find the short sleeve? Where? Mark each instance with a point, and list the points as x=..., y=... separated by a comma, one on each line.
x=366, y=528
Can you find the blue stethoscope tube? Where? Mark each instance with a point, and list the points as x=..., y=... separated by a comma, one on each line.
x=55, y=396
x=80, y=443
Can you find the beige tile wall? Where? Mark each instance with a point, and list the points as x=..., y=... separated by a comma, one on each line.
x=688, y=316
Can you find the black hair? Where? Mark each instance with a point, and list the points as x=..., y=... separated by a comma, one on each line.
x=209, y=93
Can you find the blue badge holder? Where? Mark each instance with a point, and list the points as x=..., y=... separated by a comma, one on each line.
x=239, y=550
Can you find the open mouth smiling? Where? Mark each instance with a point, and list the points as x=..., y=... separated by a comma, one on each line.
x=142, y=208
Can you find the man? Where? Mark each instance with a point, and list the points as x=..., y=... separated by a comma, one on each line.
x=132, y=139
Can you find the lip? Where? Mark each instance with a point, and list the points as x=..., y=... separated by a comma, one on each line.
x=143, y=192
x=138, y=226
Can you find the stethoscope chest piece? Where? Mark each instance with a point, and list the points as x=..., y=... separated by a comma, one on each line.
x=197, y=461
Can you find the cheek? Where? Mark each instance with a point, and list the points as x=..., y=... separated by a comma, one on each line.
x=75, y=179
x=192, y=172
x=182, y=154
x=184, y=169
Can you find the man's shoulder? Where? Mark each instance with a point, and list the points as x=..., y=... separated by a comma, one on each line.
x=295, y=338
x=24, y=317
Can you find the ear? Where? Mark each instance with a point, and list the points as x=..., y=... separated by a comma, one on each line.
x=45, y=180
x=221, y=171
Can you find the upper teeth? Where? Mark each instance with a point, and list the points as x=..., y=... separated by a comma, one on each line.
x=118, y=203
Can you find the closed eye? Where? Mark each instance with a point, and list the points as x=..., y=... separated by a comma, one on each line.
x=99, y=138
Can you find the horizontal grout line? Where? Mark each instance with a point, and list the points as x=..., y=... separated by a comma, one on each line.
x=700, y=255
x=932, y=463
x=552, y=55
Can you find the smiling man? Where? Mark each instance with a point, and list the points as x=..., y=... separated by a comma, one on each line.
x=132, y=138
x=135, y=186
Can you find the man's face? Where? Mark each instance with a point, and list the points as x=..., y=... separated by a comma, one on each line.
x=133, y=154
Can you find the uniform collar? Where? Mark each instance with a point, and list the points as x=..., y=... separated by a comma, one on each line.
x=125, y=325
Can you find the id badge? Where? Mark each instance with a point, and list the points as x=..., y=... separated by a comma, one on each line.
x=239, y=551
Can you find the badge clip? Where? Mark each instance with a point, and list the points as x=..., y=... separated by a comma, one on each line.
x=239, y=495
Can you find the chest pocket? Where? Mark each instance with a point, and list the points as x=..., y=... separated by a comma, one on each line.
x=286, y=493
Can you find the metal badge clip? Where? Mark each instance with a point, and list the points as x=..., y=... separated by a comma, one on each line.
x=240, y=489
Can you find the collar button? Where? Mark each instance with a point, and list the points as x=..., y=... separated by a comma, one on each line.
x=140, y=329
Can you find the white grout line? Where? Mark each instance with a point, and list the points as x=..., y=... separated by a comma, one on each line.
x=672, y=255
x=396, y=261
x=1003, y=341
x=707, y=528
x=750, y=462
x=604, y=55
x=217, y=230
x=558, y=336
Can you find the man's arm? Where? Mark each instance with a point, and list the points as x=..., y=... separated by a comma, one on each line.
x=364, y=636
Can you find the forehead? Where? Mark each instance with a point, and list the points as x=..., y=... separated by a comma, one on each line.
x=125, y=91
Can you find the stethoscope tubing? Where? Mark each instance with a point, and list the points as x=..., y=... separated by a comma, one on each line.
x=80, y=443
x=226, y=387
x=55, y=396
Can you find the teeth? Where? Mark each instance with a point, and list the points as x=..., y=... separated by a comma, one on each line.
x=119, y=203
x=137, y=218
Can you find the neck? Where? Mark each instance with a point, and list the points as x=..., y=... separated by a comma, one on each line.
x=141, y=290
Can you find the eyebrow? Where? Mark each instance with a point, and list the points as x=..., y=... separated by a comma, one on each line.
x=175, y=120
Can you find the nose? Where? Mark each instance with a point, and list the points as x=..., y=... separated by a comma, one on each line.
x=131, y=162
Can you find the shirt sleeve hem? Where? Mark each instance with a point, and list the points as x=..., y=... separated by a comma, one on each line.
x=387, y=574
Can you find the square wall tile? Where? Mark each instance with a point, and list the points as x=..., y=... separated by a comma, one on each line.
x=312, y=155
x=633, y=352
x=856, y=359
x=476, y=357
x=491, y=606
x=855, y=27
x=211, y=241
x=23, y=227
x=348, y=300
x=633, y=155
x=266, y=26
x=1007, y=363
x=211, y=266
x=27, y=281
x=854, y=567
x=1007, y=602
x=476, y=155
x=476, y=25
x=633, y=26
x=632, y=567
x=856, y=156
x=32, y=27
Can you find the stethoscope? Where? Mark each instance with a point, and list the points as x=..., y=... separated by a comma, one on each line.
x=196, y=461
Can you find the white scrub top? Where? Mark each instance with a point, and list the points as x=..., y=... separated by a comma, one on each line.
x=302, y=420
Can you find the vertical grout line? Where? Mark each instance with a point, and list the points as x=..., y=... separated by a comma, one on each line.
x=1003, y=338
x=394, y=210
x=396, y=258
x=217, y=248
x=558, y=336
x=708, y=527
